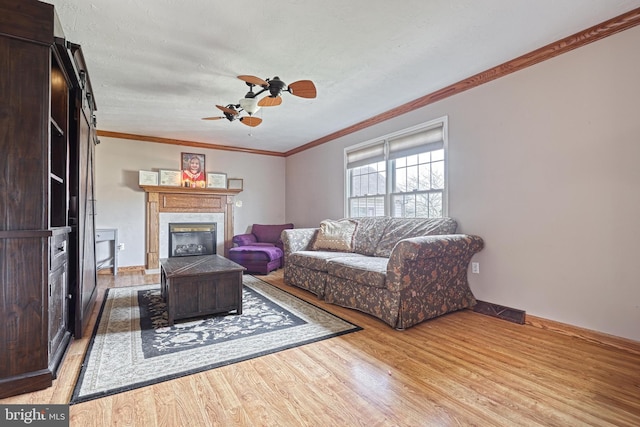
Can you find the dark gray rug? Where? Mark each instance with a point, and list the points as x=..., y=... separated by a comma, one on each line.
x=133, y=347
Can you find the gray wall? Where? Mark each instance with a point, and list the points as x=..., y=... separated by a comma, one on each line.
x=543, y=164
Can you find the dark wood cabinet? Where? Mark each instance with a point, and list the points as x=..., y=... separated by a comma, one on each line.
x=39, y=190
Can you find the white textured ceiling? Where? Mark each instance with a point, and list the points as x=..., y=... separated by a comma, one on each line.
x=159, y=66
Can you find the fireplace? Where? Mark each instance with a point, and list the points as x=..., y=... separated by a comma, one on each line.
x=192, y=238
x=179, y=204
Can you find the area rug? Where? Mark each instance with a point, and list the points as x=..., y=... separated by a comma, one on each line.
x=132, y=345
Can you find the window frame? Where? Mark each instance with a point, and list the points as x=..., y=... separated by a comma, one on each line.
x=390, y=167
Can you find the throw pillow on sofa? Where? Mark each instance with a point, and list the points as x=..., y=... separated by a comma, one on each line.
x=335, y=235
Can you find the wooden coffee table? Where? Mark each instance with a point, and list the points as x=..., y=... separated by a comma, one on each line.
x=196, y=286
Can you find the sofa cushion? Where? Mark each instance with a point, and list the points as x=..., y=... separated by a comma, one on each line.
x=335, y=235
x=365, y=270
x=316, y=260
x=368, y=234
x=404, y=228
x=269, y=233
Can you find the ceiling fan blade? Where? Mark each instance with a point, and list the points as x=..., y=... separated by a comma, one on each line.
x=228, y=110
x=303, y=89
x=269, y=101
x=251, y=121
x=214, y=118
x=254, y=80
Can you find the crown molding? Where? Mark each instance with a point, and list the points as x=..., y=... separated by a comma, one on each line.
x=183, y=143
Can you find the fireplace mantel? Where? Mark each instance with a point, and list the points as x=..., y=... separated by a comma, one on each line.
x=178, y=199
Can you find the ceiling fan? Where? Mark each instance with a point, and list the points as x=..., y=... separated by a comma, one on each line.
x=275, y=86
x=250, y=103
x=232, y=112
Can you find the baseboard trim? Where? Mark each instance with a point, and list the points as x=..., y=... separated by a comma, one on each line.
x=137, y=269
x=132, y=269
x=585, y=334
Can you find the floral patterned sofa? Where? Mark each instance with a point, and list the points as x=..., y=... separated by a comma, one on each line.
x=403, y=271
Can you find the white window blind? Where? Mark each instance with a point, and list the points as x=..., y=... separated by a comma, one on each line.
x=366, y=155
x=425, y=140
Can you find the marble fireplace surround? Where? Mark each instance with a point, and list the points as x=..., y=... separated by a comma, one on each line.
x=203, y=204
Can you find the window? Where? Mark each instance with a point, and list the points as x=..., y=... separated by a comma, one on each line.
x=401, y=175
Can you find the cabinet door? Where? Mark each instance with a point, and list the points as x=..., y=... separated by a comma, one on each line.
x=57, y=299
x=87, y=279
x=59, y=335
x=57, y=310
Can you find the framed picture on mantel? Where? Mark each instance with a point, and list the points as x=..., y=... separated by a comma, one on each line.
x=216, y=180
x=234, y=183
x=148, y=178
x=193, y=170
x=171, y=178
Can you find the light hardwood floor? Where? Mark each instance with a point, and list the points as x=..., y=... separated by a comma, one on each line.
x=461, y=369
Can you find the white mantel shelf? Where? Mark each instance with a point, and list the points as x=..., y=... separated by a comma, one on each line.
x=183, y=199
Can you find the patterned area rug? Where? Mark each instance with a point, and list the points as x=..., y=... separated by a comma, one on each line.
x=133, y=347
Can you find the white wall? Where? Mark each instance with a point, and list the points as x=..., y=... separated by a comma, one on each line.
x=121, y=202
x=544, y=165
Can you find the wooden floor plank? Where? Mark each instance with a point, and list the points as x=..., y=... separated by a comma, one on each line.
x=216, y=396
x=460, y=369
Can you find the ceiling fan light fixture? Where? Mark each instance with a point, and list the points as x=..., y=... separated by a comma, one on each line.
x=250, y=105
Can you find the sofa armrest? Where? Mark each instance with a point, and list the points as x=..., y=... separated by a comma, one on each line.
x=297, y=239
x=427, y=259
x=244, y=239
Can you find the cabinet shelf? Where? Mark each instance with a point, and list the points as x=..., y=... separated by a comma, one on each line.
x=55, y=177
x=55, y=127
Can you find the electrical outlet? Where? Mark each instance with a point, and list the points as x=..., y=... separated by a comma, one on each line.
x=121, y=246
x=475, y=267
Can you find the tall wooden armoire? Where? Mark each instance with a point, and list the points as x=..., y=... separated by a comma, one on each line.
x=47, y=260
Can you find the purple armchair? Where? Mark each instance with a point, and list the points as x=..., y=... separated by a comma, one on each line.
x=260, y=251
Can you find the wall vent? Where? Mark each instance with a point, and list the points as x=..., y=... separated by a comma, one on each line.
x=506, y=313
